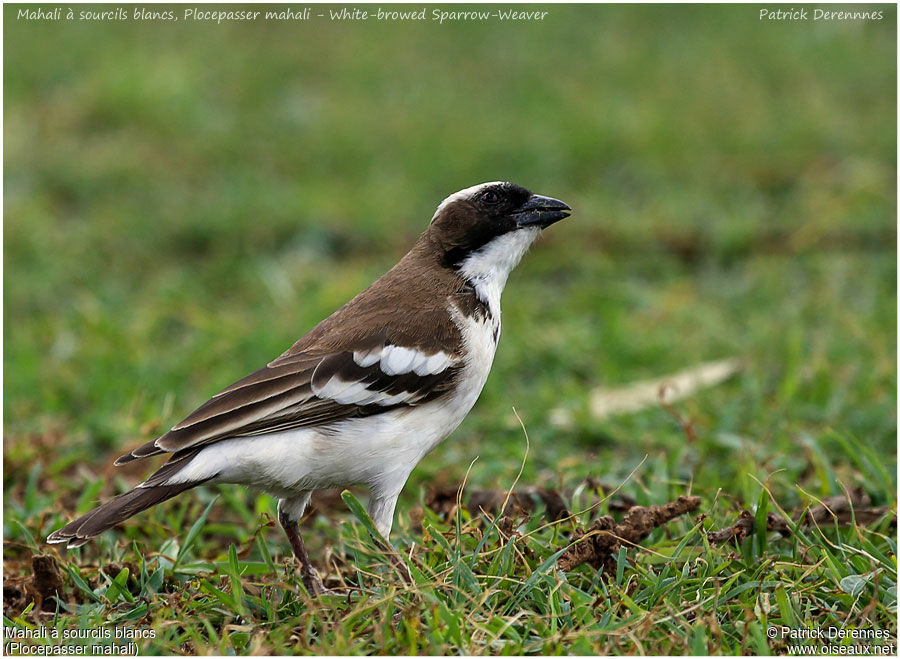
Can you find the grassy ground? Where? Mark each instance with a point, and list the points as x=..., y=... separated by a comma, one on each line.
x=183, y=200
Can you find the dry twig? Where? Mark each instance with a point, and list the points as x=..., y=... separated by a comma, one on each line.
x=600, y=544
x=842, y=509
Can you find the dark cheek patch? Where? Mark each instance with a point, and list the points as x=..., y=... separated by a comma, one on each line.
x=475, y=237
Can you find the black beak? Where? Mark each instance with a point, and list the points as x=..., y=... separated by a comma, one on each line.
x=541, y=211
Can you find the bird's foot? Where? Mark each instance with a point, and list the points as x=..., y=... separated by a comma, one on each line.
x=313, y=582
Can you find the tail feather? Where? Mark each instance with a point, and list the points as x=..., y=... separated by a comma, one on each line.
x=142, y=451
x=154, y=490
x=114, y=511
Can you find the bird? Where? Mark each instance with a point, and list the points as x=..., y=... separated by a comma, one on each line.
x=365, y=394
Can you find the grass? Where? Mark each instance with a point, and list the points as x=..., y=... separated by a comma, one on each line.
x=182, y=201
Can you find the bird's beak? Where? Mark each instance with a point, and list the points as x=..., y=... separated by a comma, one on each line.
x=541, y=211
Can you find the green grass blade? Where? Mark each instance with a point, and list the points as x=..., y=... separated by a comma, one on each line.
x=196, y=527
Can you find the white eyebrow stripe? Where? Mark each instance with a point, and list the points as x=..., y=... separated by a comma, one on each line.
x=462, y=194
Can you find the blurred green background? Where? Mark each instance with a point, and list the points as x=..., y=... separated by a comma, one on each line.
x=183, y=200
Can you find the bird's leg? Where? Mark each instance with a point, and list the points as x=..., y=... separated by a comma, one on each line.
x=311, y=579
x=289, y=518
x=381, y=510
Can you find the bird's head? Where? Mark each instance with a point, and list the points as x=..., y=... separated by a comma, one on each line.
x=488, y=227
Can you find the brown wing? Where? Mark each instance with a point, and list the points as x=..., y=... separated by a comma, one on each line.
x=302, y=391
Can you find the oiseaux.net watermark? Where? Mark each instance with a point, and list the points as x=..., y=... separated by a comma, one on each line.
x=834, y=640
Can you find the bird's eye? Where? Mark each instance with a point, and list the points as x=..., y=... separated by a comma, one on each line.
x=490, y=197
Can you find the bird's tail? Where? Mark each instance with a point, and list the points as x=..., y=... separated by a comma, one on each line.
x=152, y=491
x=116, y=510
